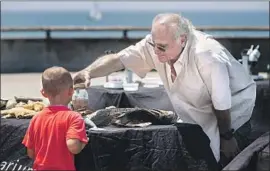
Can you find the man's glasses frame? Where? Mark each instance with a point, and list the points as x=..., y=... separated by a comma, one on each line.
x=162, y=48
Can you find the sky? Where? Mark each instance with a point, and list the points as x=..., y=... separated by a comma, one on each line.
x=132, y=5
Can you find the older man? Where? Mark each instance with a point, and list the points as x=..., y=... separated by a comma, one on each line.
x=206, y=84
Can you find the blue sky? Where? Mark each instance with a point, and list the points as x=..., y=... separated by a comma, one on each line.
x=130, y=5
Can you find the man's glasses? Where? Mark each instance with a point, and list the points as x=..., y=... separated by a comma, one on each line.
x=162, y=48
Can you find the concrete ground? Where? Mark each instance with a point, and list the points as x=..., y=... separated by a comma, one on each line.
x=29, y=84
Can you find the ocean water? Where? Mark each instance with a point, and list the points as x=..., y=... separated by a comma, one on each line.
x=139, y=18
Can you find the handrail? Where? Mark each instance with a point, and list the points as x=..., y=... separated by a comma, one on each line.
x=129, y=28
x=125, y=29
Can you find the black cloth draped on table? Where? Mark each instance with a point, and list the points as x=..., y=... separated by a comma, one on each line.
x=11, y=149
x=157, y=98
x=167, y=147
x=178, y=147
x=99, y=98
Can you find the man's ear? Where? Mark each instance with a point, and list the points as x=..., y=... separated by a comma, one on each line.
x=183, y=40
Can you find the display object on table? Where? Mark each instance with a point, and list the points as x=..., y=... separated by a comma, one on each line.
x=129, y=76
x=152, y=82
x=265, y=75
x=80, y=97
x=131, y=117
x=131, y=86
x=21, y=107
x=114, y=82
x=80, y=100
x=250, y=57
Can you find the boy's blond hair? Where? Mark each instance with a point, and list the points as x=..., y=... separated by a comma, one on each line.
x=55, y=79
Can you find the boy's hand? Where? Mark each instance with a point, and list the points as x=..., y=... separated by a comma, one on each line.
x=31, y=153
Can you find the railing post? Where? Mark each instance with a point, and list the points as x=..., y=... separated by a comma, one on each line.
x=125, y=34
x=48, y=40
x=48, y=34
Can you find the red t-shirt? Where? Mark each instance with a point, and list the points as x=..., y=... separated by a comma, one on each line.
x=47, y=135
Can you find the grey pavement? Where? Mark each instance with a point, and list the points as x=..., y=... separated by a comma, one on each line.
x=29, y=84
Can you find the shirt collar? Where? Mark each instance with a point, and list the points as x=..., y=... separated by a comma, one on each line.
x=184, y=54
x=181, y=58
x=57, y=107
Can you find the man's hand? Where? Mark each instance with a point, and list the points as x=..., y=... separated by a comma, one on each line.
x=82, y=77
x=229, y=147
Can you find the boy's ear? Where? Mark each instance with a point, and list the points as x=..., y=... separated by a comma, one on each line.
x=43, y=93
x=71, y=91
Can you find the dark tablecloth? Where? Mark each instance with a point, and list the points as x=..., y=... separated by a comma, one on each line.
x=168, y=147
x=172, y=147
x=100, y=97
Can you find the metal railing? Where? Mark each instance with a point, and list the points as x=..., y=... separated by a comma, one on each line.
x=123, y=29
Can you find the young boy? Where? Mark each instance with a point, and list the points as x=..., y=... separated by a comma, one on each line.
x=56, y=133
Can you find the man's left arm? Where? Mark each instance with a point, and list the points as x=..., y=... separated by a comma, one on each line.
x=224, y=123
x=213, y=68
x=215, y=75
x=221, y=96
x=214, y=71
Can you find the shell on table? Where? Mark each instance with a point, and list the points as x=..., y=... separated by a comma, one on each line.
x=23, y=109
x=17, y=112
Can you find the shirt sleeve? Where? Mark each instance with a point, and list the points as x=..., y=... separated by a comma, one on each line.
x=76, y=129
x=28, y=140
x=221, y=92
x=137, y=58
x=216, y=76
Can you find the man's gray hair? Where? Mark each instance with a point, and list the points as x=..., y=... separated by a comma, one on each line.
x=179, y=24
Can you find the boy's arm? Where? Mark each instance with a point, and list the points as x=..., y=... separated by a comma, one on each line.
x=76, y=137
x=31, y=153
x=28, y=141
x=75, y=146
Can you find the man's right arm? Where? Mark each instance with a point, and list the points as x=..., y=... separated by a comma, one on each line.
x=105, y=65
x=135, y=57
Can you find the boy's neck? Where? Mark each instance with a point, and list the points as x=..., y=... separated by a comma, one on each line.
x=58, y=102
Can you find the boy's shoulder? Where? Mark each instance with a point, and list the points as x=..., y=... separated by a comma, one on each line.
x=72, y=114
x=42, y=114
x=36, y=116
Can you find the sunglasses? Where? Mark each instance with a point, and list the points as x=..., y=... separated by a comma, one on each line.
x=160, y=47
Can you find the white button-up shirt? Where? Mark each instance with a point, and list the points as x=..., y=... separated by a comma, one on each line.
x=208, y=77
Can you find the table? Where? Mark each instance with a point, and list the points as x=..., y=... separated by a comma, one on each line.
x=100, y=97
x=159, y=147
x=169, y=147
